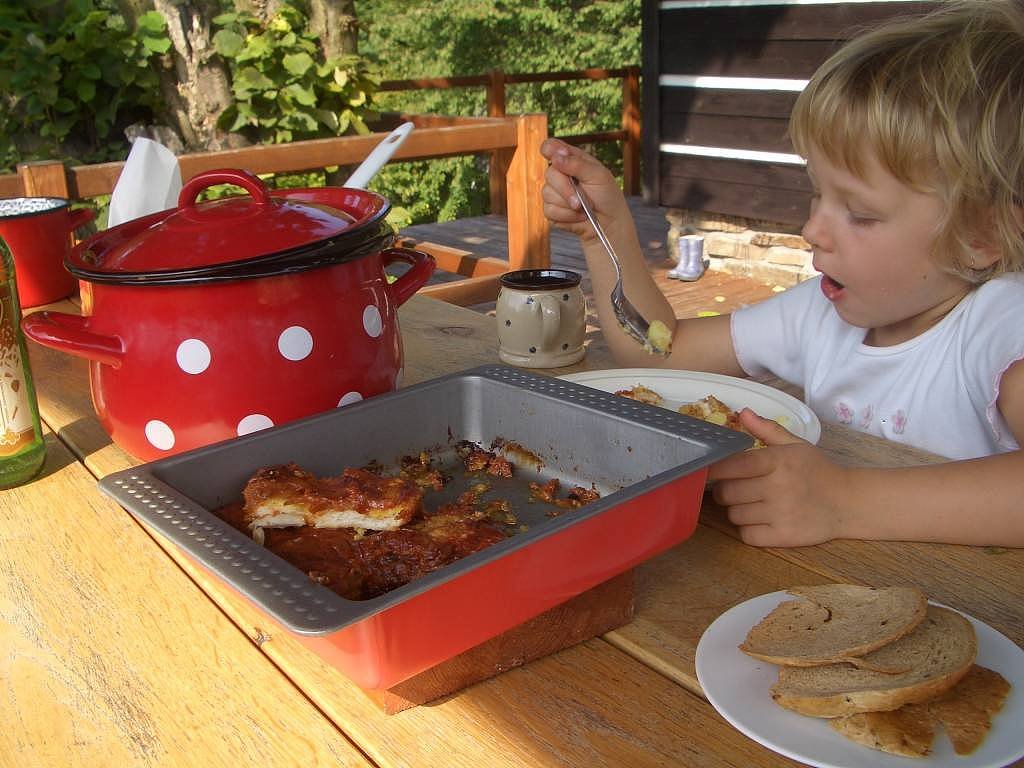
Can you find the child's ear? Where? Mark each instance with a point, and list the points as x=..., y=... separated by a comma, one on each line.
x=984, y=253
x=985, y=247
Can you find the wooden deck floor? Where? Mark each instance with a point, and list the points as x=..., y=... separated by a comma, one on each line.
x=714, y=292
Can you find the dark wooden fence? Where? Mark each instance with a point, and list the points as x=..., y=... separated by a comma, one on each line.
x=719, y=82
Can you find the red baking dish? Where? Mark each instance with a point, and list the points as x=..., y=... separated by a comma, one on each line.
x=649, y=465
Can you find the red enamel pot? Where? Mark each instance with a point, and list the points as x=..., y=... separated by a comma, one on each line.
x=216, y=319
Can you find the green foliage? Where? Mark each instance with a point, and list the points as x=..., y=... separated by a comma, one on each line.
x=283, y=89
x=72, y=76
x=439, y=38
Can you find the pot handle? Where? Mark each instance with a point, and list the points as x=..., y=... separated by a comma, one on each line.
x=80, y=217
x=422, y=268
x=250, y=182
x=70, y=333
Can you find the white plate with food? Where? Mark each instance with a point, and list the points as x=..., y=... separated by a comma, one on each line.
x=678, y=388
x=737, y=686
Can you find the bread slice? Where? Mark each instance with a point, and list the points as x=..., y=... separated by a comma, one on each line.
x=835, y=622
x=965, y=711
x=908, y=731
x=939, y=652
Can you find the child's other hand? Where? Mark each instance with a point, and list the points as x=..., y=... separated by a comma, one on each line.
x=561, y=205
x=784, y=495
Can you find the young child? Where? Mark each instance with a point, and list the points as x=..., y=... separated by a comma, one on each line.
x=914, y=139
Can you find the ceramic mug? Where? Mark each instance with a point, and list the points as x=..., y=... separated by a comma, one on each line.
x=541, y=315
x=38, y=232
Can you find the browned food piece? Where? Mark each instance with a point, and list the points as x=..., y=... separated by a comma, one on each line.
x=420, y=470
x=476, y=459
x=546, y=492
x=579, y=496
x=641, y=394
x=288, y=495
x=575, y=498
x=966, y=710
x=834, y=622
x=938, y=654
x=907, y=731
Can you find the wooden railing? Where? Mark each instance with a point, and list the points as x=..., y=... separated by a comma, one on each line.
x=495, y=83
x=516, y=140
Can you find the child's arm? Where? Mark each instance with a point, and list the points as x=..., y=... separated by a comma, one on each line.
x=790, y=494
x=699, y=343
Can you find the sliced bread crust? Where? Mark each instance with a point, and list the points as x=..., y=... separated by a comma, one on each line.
x=938, y=653
x=835, y=622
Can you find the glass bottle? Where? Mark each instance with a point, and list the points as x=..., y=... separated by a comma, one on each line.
x=22, y=450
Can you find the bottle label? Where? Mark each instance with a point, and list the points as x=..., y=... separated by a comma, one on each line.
x=16, y=425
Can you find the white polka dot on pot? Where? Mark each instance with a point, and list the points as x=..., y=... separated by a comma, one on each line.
x=159, y=435
x=254, y=422
x=295, y=343
x=373, y=323
x=193, y=356
x=349, y=397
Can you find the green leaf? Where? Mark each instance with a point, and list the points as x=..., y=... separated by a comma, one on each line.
x=340, y=76
x=301, y=94
x=298, y=64
x=90, y=70
x=152, y=22
x=156, y=45
x=327, y=119
x=86, y=90
x=228, y=43
x=223, y=19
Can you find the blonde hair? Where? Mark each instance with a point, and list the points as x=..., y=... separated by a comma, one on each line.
x=939, y=99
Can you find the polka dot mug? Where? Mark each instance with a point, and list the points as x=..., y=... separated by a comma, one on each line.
x=541, y=316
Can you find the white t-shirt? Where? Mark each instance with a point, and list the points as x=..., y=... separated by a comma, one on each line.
x=937, y=391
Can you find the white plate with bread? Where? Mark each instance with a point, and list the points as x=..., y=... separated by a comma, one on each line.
x=815, y=711
x=679, y=388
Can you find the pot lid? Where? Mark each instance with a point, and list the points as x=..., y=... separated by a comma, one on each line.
x=231, y=233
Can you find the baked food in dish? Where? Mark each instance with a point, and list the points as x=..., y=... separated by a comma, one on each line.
x=284, y=496
x=372, y=529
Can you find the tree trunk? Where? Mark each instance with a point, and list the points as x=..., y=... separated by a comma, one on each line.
x=334, y=21
x=194, y=80
x=263, y=10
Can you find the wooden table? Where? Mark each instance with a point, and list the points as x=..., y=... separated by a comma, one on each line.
x=116, y=651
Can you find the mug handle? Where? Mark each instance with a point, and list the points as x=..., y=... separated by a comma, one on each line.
x=550, y=320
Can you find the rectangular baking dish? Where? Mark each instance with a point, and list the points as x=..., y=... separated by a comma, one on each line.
x=649, y=464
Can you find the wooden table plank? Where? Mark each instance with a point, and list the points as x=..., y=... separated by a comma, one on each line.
x=101, y=662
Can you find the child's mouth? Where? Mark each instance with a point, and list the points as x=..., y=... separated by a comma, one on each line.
x=831, y=288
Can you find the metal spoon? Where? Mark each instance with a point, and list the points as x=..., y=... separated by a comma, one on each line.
x=629, y=317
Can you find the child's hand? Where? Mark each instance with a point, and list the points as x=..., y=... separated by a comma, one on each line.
x=561, y=205
x=785, y=495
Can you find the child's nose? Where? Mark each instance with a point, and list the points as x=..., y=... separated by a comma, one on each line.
x=814, y=229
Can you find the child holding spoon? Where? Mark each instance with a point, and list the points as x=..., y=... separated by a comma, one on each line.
x=914, y=140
